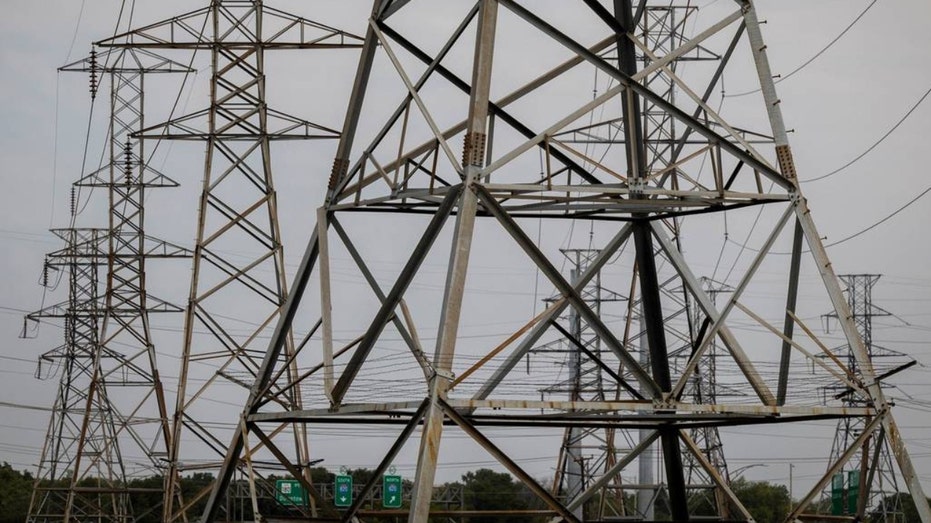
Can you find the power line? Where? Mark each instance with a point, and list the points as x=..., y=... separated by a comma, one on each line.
x=854, y=235
x=880, y=222
x=870, y=148
x=817, y=55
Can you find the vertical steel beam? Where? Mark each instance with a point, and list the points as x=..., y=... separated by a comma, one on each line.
x=704, y=301
x=849, y=327
x=788, y=328
x=275, y=346
x=597, y=325
x=473, y=158
x=338, y=178
x=652, y=308
x=826, y=270
x=641, y=90
x=402, y=438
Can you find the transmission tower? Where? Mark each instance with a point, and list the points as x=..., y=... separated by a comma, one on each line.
x=703, y=389
x=239, y=282
x=585, y=451
x=109, y=421
x=508, y=114
x=868, y=482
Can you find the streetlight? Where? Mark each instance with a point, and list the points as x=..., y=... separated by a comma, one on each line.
x=741, y=470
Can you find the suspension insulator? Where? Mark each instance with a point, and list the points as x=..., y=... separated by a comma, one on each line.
x=93, y=70
x=128, y=161
x=45, y=269
x=74, y=201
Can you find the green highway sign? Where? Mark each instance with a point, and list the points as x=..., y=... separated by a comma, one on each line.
x=391, y=492
x=837, y=494
x=343, y=495
x=290, y=492
x=853, y=491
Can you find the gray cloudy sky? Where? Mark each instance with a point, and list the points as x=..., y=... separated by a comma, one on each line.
x=838, y=106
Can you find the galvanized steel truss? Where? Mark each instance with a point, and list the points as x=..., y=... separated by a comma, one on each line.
x=874, y=494
x=238, y=212
x=411, y=167
x=111, y=403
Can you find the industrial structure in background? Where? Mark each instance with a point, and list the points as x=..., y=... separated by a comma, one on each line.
x=646, y=162
x=239, y=266
x=869, y=480
x=587, y=453
x=110, y=419
x=410, y=166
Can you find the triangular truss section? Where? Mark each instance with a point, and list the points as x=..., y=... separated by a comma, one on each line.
x=654, y=169
x=239, y=276
x=109, y=424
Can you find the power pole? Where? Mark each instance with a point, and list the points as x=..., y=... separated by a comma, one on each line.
x=235, y=300
x=110, y=419
x=515, y=115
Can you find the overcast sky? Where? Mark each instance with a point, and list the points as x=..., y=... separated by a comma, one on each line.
x=838, y=106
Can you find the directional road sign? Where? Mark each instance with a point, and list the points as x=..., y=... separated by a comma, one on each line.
x=391, y=492
x=290, y=492
x=343, y=496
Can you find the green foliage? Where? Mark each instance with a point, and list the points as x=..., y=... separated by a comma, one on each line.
x=894, y=503
x=767, y=503
x=192, y=486
x=485, y=489
x=319, y=475
x=15, y=490
x=147, y=506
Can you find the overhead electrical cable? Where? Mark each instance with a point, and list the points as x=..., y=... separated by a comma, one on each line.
x=876, y=144
x=817, y=55
x=858, y=233
x=880, y=222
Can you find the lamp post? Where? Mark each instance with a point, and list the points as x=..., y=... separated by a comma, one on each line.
x=743, y=469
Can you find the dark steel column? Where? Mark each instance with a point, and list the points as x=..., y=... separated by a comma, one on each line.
x=646, y=263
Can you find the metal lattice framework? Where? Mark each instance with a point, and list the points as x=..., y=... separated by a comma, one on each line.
x=79, y=451
x=110, y=421
x=871, y=468
x=235, y=299
x=586, y=453
x=703, y=389
x=404, y=162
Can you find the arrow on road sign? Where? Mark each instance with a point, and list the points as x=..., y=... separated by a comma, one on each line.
x=391, y=489
x=343, y=496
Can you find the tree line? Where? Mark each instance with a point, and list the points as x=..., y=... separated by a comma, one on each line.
x=480, y=490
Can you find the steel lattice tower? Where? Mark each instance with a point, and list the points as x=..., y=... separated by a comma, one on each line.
x=110, y=400
x=589, y=453
x=703, y=389
x=872, y=467
x=238, y=212
x=585, y=451
x=506, y=114
x=79, y=452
